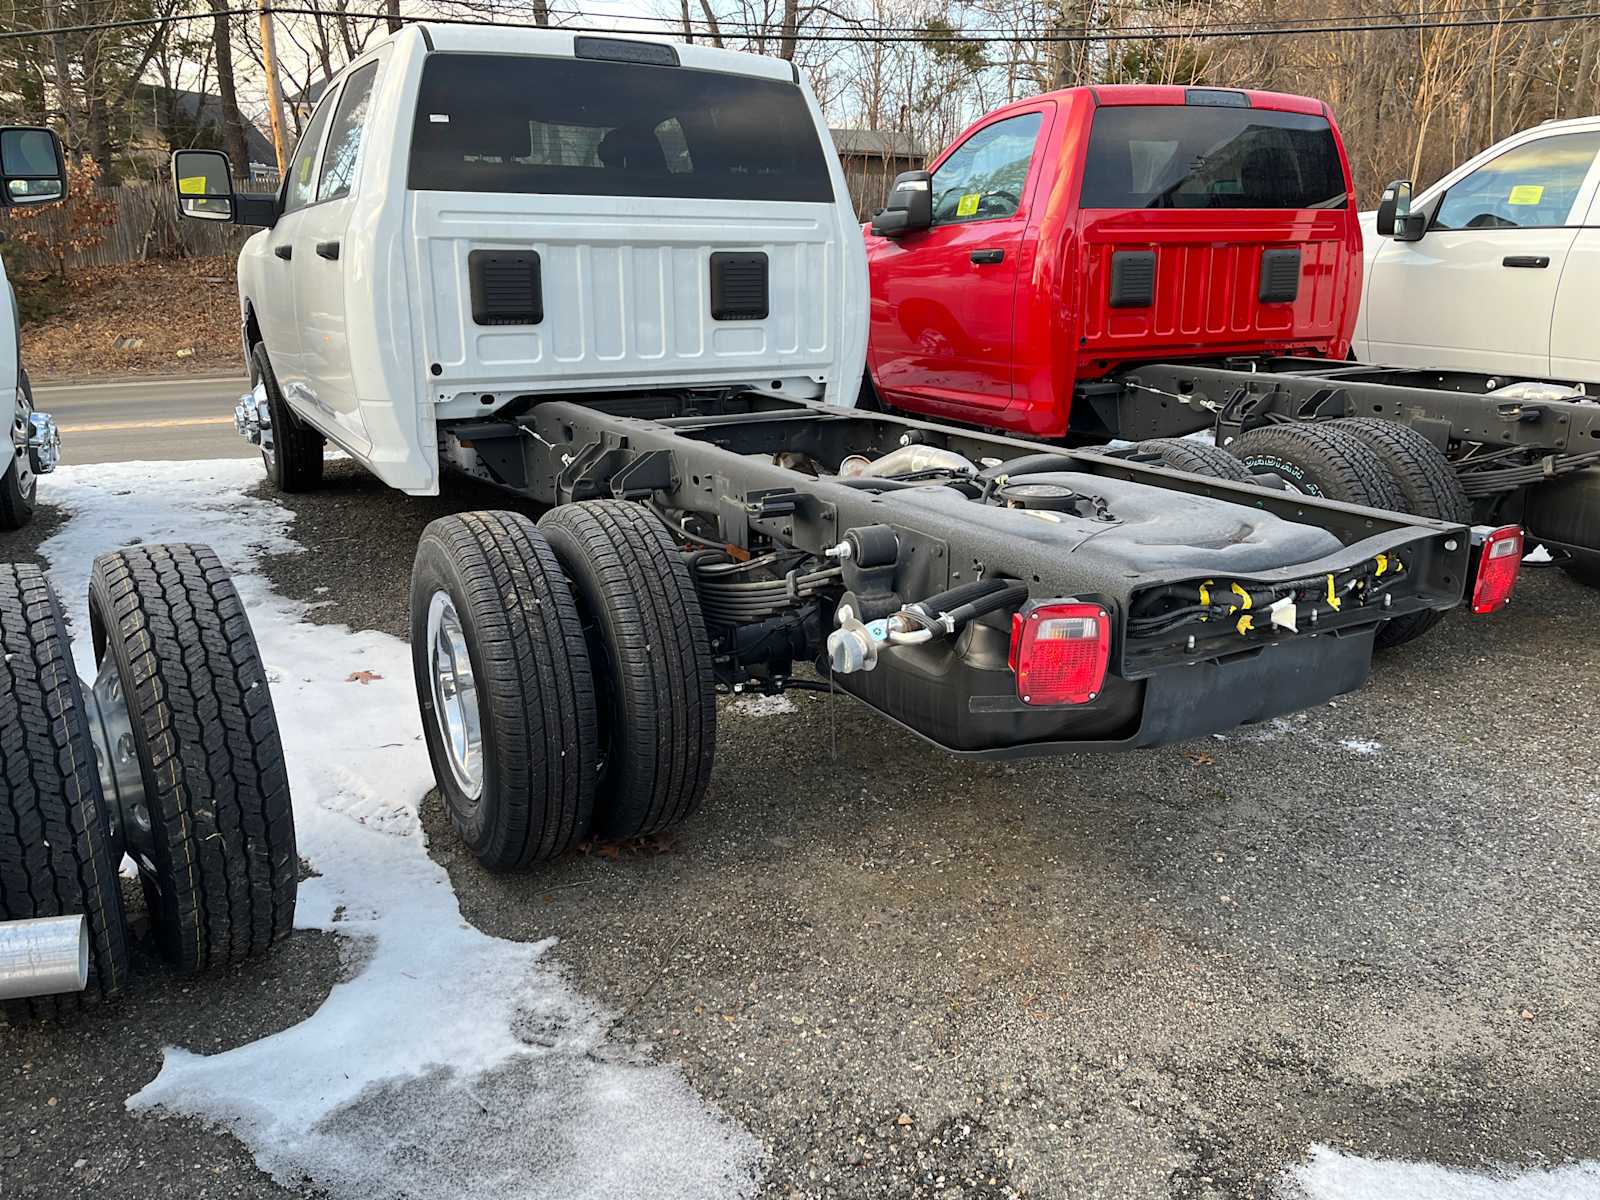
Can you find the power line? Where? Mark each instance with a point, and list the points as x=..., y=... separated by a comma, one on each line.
x=1147, y=33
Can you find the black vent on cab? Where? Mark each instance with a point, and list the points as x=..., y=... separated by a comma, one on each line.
x=506, y=287
x=1280, y=276
x=1133, y=278
x=738, y=286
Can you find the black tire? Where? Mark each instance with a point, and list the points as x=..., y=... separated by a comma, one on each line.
x=1197, y=458
x=292, y=450
x=1320, y=460
x=56, y=854
x=534, y=687
x=649, y=645
x=221, y=872
x=1427, y=480
x=1430, y=488
x=19, y=479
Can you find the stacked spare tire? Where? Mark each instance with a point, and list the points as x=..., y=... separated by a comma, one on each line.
x=169, y=757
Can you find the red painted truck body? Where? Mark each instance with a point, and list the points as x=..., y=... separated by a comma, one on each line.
x=1198, y=183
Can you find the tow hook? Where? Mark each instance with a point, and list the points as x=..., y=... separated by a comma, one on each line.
x=251, y=415
x=44, y=443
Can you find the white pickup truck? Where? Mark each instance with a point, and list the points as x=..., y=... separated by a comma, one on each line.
x=1496, y=267
x=623, y=279
x=32, y=171
x=477, y=218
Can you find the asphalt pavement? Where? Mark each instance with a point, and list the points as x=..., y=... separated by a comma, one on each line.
x=145, y=419
x=1166, y=975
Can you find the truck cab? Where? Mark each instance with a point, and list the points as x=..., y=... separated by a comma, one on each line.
x=477, y=220
x=1063, y=238
x=1497, y=269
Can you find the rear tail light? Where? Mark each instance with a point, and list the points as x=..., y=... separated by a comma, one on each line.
x=1059, y=651
x=1499, y=559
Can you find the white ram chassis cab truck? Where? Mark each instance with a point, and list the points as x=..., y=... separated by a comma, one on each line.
x=477, y=219
x=623, y=279
x=32, y=171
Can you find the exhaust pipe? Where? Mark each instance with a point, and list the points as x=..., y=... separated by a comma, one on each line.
x=43, y=956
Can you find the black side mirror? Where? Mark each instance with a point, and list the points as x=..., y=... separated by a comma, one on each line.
x=32, y=166
x=203, y=181
x=1395, y=218
x=910, y=206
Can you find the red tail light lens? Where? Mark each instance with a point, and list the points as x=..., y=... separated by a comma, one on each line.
x=1059, y=651
x=1499, y=560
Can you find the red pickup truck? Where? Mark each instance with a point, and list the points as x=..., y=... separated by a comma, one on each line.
x=1077, y=232
x=1139, y=262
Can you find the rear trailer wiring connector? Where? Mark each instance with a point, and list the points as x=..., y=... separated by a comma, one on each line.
x=1263, y=609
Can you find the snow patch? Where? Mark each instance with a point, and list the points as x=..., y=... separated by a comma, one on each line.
x=452, y=1064
x=1330, y=1175
x=1362, y=747
x=762, y=706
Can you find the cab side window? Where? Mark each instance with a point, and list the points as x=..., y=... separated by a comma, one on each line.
x=1533, y=186
x=302, y=184
x=343, y=154
x=984, y=177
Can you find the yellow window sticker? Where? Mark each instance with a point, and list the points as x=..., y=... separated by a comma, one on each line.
x=305, y=171
x=967, y=205
x=1527, y=193
x=192, y=185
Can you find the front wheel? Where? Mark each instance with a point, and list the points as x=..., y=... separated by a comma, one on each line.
x=19, y=487
x=290, y=449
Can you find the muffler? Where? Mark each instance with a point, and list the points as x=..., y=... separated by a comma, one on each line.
x=43, y=956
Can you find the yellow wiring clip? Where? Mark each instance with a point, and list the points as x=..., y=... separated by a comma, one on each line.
x=1246, y=624
x=1383, y=564
x=1244, y=595
x=1205, y=595
x=1333, y=596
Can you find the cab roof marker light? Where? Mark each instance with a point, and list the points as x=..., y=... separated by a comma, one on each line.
x=1216, y=97
x=654, y=54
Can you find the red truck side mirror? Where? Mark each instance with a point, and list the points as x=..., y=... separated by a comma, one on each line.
x=910, y=206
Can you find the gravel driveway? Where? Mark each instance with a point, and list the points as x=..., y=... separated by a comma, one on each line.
x=1372, y=927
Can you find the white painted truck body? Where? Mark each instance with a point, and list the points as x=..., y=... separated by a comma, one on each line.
x=10, y=351
x=1508, y=282
x=379, y=348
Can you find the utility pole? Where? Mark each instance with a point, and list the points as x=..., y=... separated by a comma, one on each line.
x=269, y=60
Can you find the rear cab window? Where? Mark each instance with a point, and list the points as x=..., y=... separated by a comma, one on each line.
x=583, y=127
x=1199, y=156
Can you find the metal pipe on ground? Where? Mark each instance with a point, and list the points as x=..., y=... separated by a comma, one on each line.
x=43, y=956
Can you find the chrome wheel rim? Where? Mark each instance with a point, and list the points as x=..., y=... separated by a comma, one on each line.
x=19, y=440
x=455, y=695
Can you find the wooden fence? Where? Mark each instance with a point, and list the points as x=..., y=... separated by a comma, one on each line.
x=146, y=225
